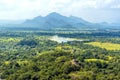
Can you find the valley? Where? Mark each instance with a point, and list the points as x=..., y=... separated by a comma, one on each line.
x=59, y=39
x=55, y=55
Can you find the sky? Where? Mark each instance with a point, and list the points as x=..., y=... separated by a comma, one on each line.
x=90, y=10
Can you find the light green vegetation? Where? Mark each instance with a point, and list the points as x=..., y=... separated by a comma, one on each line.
x=96, y=60
x=108, y=46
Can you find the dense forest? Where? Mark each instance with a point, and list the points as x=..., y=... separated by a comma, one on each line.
x=31, y=55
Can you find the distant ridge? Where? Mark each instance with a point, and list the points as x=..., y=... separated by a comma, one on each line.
x=56, y=20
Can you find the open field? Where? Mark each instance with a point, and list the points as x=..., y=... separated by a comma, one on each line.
x=108, y=46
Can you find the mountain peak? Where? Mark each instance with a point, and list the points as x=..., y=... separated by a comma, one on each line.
x=56, y=20
x=54, y=14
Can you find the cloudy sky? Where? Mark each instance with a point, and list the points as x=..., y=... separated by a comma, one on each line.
x=91, y=10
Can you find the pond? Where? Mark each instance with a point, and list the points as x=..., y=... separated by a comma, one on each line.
x=64, y=39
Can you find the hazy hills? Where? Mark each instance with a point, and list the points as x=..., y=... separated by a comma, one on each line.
x=57, y=21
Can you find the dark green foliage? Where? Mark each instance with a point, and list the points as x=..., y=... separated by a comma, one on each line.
x=27, y=42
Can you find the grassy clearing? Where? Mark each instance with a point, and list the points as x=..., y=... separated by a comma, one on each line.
x=108, y=46
x=96, y=60
x=81, y=75
x=10, y=39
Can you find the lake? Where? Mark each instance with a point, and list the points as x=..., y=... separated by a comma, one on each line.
x=64, y=39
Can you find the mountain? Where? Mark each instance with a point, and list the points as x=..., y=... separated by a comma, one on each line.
x=104, y=25
x=55, y=20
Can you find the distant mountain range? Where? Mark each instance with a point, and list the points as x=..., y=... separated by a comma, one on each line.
x=55, y=20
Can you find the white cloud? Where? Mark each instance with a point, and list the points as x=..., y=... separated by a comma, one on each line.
x=14, y=9
x=115, y=6
x=22, y=9
x=84, y=4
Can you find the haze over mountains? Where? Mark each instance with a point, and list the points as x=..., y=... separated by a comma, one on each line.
x=11, y=21
x=55, y=20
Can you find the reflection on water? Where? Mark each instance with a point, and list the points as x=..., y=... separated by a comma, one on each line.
x=63, y=39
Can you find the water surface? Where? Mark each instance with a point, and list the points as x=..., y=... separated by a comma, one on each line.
x=63, y=39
